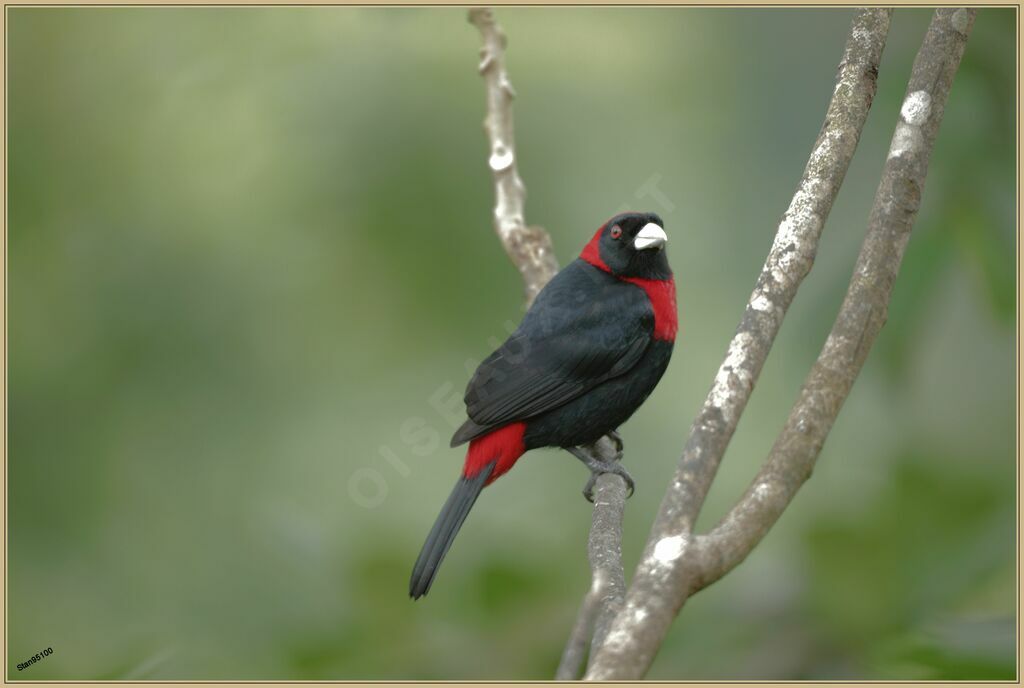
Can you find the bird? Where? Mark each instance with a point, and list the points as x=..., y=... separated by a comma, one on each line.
x=588, y=352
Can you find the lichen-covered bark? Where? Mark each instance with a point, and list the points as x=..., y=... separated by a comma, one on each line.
x=626, y=633
x=863, y=311
x=660, y=585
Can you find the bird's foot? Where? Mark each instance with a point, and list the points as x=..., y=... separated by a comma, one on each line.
x=598, y=467
x=617, y=439
x=617, y=469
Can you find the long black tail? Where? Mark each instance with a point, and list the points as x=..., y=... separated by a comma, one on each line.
x=446, y=527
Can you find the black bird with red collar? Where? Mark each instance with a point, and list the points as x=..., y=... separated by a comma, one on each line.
x=588, y=352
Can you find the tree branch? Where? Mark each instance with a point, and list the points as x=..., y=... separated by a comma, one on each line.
x=530, y=250
x=608, y=579
x=864, y=309
x=575, y=652
x=660, y=585
x=604, y=549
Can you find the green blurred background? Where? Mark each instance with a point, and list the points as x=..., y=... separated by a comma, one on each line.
x=249, y=247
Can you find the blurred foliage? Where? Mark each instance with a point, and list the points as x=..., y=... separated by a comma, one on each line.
x=883, y=564
x=250, y=249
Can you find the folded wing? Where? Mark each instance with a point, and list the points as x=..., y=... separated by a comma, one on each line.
x=584, y=328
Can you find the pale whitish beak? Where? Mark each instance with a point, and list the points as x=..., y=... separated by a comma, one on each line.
x=651, y=236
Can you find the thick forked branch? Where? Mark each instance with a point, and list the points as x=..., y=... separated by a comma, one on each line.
x=863, y=311
x=660, y=585
x=529, y=248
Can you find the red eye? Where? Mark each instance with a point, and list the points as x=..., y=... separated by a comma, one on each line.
x=616, y=232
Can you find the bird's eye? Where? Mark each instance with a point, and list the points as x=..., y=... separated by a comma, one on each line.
x=616, y=232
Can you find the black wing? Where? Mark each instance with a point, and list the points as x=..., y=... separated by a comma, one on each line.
x=584, y=328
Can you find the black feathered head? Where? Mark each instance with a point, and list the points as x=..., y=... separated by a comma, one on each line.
x=630, y=245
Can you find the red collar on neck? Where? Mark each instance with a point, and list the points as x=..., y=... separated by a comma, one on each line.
x=592, y=251
x=661, y=293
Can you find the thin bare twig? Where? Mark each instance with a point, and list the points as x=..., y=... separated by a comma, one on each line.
x=660, y=585
x=529, y=249
x=864, y=309
x=571, y=666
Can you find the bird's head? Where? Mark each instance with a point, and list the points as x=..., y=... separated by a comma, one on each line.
x=630, y=245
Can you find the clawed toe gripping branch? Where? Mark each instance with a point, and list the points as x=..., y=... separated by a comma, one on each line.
x=618, y=631
x=599, y=467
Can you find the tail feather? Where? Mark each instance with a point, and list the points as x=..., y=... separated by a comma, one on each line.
x=446, y=527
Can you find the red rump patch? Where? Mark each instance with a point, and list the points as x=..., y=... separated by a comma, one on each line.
x=662, y=295
x=504, y=444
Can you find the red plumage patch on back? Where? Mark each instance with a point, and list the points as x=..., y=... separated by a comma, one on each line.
x=592, y=251
x=504, y=445
x=662, y=295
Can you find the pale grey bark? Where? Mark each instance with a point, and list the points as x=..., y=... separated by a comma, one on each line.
x=626, y=632
x=608, y=579
x=571, y=666
x=660, y=585
x=604, y=550
x=864, y=309
x=529, y=249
